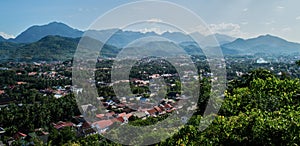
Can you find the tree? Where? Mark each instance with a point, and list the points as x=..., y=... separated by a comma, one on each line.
x=298, y=62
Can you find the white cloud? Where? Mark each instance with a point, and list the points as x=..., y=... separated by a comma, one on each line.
x=230, y=29
x=6, y=36
x=156, y=30
x=270, y=22
x=298, y=18
x=244, y=23
x=154, y=20
x=201, y=29
x=245, y=10
x=280, y=7
x=224, y=27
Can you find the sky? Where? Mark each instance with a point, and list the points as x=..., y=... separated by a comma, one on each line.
x=238, y=18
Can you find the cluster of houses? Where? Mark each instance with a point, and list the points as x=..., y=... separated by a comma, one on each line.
x=59, y=91
x=102, y=122
x=155, y=111
x=39, y=133
x=121, y=109
x=120, y=112
x=117, y=110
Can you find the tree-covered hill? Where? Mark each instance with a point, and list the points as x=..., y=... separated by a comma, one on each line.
x=265, y=44
x=49, y=48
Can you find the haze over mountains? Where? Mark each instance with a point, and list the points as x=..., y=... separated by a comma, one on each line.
x=57, y=41
x=120, y=38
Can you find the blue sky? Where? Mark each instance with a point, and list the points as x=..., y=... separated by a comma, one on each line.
x=239, y=18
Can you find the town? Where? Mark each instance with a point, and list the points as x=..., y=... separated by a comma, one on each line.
x=39, y=86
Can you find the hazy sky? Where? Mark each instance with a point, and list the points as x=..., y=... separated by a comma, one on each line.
x=239, y=18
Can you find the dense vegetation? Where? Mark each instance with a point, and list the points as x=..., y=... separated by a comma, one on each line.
x=259, y=109
x=49, y=48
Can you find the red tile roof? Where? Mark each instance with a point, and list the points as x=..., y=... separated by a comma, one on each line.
x=122, y=114
x=100, y=116
x=32, y=73
x=128, y=115
x=21, y=83
x=110, y=114
x=60, y=125
x=162, y=108
x=168, y=106
x=103, y=123
x=157, y=108
x=119, y=119
x=151, y=111
x=21, y=134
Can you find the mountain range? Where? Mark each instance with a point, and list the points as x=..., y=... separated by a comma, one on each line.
x=57, y=41
x=119, y=39
x=264, y=44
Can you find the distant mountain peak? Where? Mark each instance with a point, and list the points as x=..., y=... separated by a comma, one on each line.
x=55, y=22
x=269, y=36
x=36, y=32
x=239, y=40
